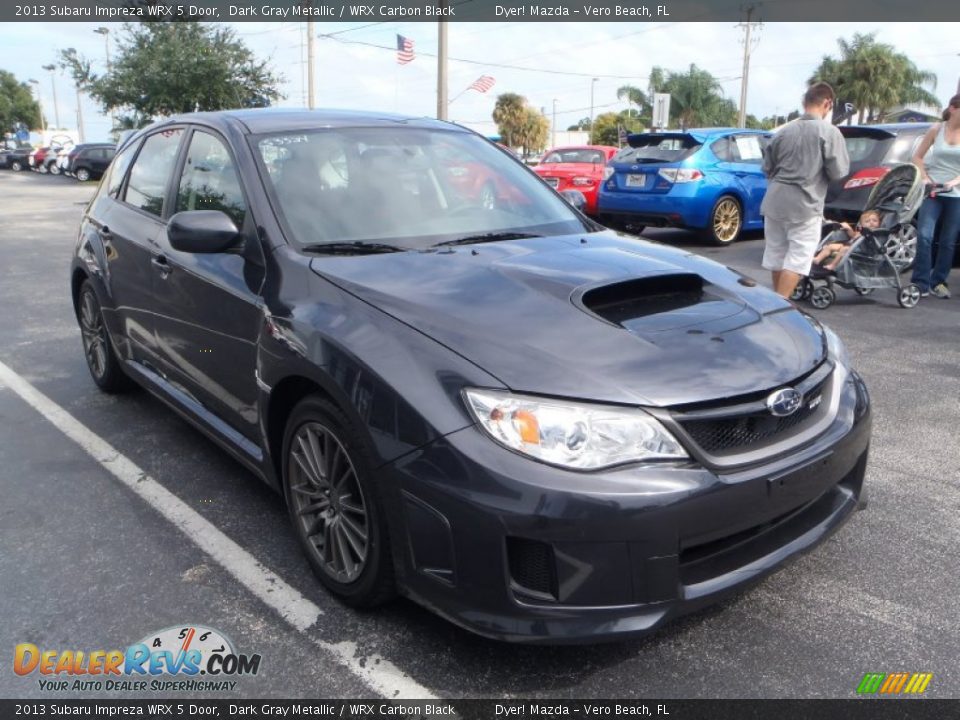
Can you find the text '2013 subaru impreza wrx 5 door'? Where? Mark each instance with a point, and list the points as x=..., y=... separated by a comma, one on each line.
x=540, y=429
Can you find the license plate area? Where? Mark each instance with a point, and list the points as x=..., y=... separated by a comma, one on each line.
x=637, y=180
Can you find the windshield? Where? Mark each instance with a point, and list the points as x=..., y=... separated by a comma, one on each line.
x=574, y=155
x=407, y=187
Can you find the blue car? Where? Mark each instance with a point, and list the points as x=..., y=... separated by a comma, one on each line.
x=708, y=179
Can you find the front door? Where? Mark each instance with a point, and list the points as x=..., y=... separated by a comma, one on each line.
x=208, y=306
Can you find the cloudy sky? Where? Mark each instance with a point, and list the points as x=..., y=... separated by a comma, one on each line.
x=351, y=73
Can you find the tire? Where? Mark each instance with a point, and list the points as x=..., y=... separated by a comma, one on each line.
x=102, y=361
x=42, y=169
x=909, y=296
x=902, y=247
x=82, y=174
x=16, y=166
x=726, y=221
x=822, y=297
x=803, y=290
x=54, y=168
x=343, y=534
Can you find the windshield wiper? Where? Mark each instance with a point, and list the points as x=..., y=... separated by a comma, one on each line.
x=487, y=237
x=358, y=247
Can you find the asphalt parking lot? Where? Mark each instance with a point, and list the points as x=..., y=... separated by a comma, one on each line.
x=86, y=563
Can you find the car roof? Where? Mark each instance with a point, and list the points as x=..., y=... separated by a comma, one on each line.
x=261, y=120
x=894, y=128
x=558, y=148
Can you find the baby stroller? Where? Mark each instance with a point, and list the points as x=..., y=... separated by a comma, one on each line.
x=877, y=258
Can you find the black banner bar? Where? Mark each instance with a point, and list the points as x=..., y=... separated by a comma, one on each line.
x=642, y=11
x=873, y=708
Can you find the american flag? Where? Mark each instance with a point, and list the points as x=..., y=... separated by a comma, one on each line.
x=404, y=50
x=483, y=83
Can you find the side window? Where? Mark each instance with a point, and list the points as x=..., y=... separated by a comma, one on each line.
x=747, y=148
x=721, y=148
x=147, y=187
x=209, y=180
x=119, y=168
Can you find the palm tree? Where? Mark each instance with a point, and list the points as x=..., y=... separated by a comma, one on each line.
x=696, y=98
x=509, y=115
x=875, y=77
x=635, y=96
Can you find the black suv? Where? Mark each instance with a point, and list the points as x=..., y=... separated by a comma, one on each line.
x=90, y=160
x=537, y=427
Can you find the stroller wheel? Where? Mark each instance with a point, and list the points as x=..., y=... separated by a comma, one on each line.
x=863, y=291
x=822, y=297
x=802, y=290
x=909, y=296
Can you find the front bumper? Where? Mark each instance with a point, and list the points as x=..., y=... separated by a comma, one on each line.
x=516, y=550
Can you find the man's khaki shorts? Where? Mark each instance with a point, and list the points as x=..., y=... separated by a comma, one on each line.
x=791, y=245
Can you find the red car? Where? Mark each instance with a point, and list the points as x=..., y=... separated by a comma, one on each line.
x=576, y=168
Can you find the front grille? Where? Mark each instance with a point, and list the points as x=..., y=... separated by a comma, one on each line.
x=733, y=433
x=743, y=424
x=532, y=567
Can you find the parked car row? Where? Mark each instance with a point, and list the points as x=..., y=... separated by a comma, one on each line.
x=86, y=161
x=711, y=179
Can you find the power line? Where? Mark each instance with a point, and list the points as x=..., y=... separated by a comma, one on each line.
x=486, y=63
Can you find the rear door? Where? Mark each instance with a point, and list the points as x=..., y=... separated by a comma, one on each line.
x=131, y=230
x=747, y=165
x=208, y=306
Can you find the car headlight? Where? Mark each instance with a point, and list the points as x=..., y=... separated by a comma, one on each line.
x=835, y=346
x=574, y=435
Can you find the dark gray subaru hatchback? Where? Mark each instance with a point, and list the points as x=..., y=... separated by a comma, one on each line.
x=465, y=390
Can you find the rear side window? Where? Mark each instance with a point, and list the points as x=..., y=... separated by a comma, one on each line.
x=861, y=148
x=209, y=180
x=119, y=168
x=903, y=148
x=150, y=174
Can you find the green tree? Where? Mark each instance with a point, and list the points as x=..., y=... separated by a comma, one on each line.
x=535, y=130
x=509, y=113
x=165, y=68
x=607, y=125
x=17, y=104
x=875, y=77
x=696, y=99
x=580, y=126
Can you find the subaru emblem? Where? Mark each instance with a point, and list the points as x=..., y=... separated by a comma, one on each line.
x=783, y=402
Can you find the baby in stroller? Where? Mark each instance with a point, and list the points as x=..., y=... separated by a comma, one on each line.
x=838, y=243
x=873, y=255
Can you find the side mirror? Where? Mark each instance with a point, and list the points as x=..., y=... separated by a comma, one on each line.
x=202, y=231
x=575, y=198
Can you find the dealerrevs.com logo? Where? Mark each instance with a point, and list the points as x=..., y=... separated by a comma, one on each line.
x=173, y=659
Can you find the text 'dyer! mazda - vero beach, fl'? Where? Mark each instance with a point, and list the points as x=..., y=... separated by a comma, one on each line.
x=538, y=428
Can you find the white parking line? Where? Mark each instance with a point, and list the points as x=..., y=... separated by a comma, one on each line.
x=298, y=611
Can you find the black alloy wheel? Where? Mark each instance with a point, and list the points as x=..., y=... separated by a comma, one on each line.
x=102, y=361
x=333, y=504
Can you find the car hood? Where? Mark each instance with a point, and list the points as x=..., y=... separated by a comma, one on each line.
x=598, y=317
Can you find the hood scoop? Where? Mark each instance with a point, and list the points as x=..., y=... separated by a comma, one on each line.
x=659, y=303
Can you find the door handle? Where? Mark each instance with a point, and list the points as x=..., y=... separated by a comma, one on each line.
x=160, y=262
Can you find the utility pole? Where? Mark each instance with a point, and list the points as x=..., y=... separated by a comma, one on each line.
x=311, y=98
x=80, y=114
x=442, y=68
x=53, y=84
x=747, y=26
x=592, y=83
x=105, y=31
x=43, y=122
x=553, y=126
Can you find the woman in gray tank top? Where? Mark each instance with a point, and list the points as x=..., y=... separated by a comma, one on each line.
x=938, y=157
